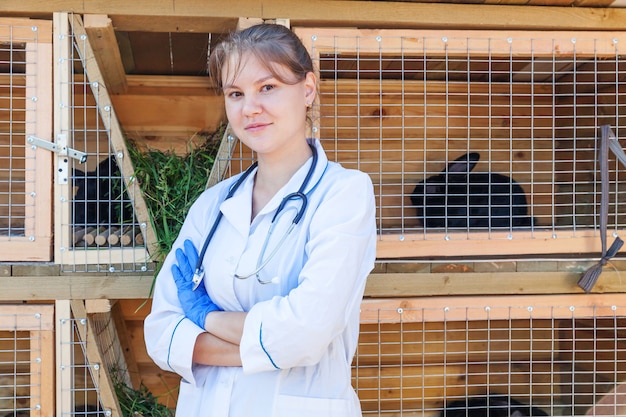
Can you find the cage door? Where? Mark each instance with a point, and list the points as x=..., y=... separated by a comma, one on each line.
x=25, y=112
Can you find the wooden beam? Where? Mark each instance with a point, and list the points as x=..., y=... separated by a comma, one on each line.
x=75, y=287
x=485, y=283
x=104, y=44
x=103, y=383
x=114, y=286
x=548, y=306
x=189, y=15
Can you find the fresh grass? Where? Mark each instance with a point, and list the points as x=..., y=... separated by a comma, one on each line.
x=137, y=402
x=171, y=183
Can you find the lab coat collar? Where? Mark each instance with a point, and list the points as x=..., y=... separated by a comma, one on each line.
x=238, y=209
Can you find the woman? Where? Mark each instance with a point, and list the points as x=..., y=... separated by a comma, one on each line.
x=272, y=328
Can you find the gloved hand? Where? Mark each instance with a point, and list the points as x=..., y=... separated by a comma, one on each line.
x=196, y=304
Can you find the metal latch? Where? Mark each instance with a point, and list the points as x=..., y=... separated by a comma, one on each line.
x=60, y=149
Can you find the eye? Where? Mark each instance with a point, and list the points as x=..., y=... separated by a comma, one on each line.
x=268, y=87
x=233, y=94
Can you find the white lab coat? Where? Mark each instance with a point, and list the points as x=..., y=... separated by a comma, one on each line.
x=301, y=331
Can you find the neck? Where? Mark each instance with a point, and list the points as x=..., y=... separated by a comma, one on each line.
x=274, y=173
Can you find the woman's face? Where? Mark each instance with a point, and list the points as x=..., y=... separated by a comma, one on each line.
x=268, y=115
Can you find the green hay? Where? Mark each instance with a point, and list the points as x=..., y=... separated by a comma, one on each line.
x=171, y=183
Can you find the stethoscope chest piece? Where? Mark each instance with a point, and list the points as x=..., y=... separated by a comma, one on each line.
x=198, y=276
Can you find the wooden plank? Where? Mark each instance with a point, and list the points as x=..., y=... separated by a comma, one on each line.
x=64, y=335
x=477, y=283
x=101, y=35
x=165, y=15
x=63, y=190
x=38, y=169
x=114, y=286
x=136, y=288
x=176, y=85
x=117, y=139
x=25, y=30
x=462, y=308
x=163, y=115
x=511, y=43
x=94, y=356
x=42, y=371
x=520, y=242
x=38, y=317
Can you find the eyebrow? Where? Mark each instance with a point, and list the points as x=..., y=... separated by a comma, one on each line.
x=259, y=81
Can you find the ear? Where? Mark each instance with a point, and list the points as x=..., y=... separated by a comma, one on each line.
x=310, y=87
x=464, y=163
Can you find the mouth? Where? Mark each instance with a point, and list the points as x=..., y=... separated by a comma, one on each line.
x=255, y=126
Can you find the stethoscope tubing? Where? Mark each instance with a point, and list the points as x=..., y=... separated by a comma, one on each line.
x=199, y=269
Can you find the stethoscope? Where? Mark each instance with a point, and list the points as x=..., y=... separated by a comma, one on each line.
x=198, y=274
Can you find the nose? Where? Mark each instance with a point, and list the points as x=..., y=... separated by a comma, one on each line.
x=251, y=105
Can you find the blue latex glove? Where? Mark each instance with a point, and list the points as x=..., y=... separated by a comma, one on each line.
x=196, y=304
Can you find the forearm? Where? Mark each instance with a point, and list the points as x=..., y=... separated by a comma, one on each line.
x=211, y=350
x=226, y=325
x=220, y=345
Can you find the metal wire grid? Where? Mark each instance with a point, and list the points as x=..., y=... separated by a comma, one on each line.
x=25, y=357
x=14, y=127
x=403, y=113
x=545, y=358
x=16, y=373
x=79, y=374
x=102, y=218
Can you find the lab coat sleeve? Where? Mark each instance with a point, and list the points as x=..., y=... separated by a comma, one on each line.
x=169, y=336
x=297, y=329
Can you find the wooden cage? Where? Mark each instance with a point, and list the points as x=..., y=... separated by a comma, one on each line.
x=401, y=105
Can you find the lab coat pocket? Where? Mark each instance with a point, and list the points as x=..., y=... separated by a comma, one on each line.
x=292, y=406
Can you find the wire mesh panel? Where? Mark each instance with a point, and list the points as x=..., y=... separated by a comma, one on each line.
x=557, y=356
x=482, y=136
x=25, y=108
x=78, y=383
x=99, y=225
x=26, y=360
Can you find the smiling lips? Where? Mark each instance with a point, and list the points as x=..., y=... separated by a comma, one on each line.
x=252, y=127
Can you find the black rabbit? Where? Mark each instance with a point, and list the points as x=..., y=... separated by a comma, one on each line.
x=458, y=198
x=490, y=406
x=99, y=198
